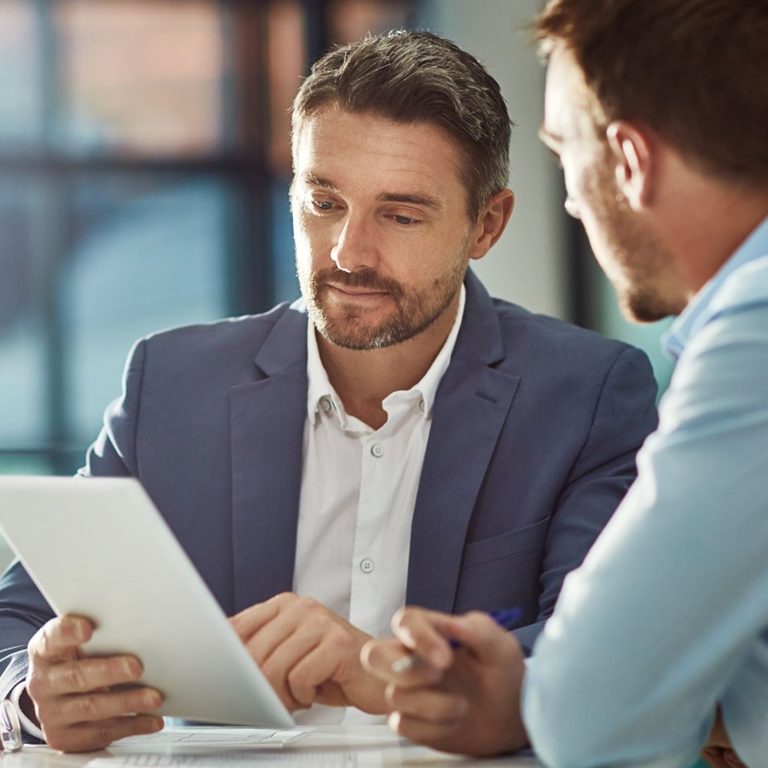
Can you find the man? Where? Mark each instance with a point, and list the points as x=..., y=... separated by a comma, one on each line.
x=657, y=111
x=414, y=441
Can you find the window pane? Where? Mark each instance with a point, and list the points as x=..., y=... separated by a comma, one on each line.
x=148, y=255
x=22, y=365
x=142, y=76
x=286, y=54
x=20, y=92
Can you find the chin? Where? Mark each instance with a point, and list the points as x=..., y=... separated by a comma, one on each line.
x=643, y=307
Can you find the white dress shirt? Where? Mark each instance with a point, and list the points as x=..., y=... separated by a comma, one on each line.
x=358, y=492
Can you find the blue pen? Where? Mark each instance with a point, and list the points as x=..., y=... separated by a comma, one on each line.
x=506, y=618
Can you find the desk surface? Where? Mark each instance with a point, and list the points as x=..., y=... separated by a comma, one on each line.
x=370, y=746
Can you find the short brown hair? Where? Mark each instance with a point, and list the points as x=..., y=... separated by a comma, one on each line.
x=419, y=77
x=694, y=71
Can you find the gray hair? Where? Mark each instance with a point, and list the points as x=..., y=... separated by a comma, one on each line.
x=415, y=77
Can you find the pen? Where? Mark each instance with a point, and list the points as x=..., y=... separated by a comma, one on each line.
x=505, y=618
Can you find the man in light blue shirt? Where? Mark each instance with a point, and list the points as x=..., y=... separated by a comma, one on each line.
x=658, y=647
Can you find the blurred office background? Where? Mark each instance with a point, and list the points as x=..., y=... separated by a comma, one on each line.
x=144, y=169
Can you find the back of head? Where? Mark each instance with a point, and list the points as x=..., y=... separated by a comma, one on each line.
x=415, y=77
x=693, y=71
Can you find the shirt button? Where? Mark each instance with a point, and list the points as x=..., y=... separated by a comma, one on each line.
x=377, y=450
x=366, y=565
x=325, y=404
x=422, y=405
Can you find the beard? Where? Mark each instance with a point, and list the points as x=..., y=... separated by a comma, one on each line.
x=634, y=259
x=349, y=326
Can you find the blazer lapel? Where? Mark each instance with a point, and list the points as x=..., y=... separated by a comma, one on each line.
x=470, y=409
x=267, y=436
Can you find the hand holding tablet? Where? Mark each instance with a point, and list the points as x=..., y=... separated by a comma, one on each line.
x=99, y=549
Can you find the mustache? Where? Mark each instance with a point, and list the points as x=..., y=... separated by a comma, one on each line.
x=366, y=278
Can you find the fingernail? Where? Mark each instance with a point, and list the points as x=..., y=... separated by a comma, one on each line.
x=158, y=724
x=81, y=630
x=131, y=667
x=152, y=699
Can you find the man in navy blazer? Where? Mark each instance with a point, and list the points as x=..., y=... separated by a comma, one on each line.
x=525, y=428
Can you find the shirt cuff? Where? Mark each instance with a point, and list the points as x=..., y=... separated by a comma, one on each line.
x=26, y=724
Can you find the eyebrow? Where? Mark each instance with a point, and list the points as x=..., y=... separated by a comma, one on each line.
x=426, y=201
x=316, y=181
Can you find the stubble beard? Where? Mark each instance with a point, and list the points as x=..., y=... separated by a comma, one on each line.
x=639, y=261
x=414, y=311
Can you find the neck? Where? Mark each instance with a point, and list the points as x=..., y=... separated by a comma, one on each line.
x=706, y=225
x=364, y=379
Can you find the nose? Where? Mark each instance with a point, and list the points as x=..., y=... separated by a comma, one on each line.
x=355, y=247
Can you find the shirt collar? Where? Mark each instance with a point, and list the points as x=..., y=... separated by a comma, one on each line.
x=320, y=391
x=698, y=311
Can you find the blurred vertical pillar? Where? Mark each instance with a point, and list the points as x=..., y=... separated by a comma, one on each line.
x=531, y=264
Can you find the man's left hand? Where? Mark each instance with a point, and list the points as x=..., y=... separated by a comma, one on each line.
x=309, y=654
x=464, y=699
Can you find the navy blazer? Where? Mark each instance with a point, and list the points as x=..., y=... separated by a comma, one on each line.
x=535, y=428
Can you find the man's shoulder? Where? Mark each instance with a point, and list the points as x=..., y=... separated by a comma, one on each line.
x=746, y=287
x=553, y=339
x=251, y=330
x=224, y=350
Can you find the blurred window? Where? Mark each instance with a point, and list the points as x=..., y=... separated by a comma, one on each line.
x=21, y=113
x=144, y=170
x=141, y=78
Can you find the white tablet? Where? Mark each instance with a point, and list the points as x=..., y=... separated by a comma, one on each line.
x=99, y=548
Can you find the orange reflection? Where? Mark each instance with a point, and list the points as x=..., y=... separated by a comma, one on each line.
x=141, y=76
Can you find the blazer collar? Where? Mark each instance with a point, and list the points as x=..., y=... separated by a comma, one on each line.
x=480, y=333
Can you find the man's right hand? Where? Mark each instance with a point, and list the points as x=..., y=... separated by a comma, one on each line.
x=83, y=704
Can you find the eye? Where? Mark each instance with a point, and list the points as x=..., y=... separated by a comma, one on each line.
x=405, y=220
x=322, y=205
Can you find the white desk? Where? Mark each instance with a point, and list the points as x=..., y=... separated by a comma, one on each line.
x=322, y=747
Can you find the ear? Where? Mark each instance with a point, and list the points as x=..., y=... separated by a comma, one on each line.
x=491, y=223
x=632, y=150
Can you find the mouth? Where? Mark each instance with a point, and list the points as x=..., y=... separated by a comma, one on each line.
x=357, y=293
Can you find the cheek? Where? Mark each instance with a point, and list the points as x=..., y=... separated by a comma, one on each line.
x=310, y=240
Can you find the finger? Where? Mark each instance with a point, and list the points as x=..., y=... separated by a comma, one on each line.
x=278, y=667
x=436, y=735
x=92, y=736
x=248, y=622
x=93, y=707
x=382, y=658
x=327, y=661
x=424, y=632
x=301, y=614
x=87, y=674
x=479, y=634
x=59, y=637
x=428, y=705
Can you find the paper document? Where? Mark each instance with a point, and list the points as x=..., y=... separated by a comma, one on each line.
x=234, y=760
x=205, y=736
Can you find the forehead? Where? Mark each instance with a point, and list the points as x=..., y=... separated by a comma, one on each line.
x=364, y=149
x=568, y=105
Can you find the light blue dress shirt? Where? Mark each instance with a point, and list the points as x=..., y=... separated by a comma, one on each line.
x=669, y=613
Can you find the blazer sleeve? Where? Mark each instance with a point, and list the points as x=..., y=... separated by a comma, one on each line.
x=23, y=609
x=624, y=415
